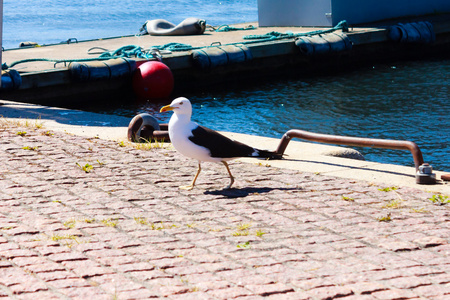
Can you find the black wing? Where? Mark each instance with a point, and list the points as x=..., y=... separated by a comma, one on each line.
x=219, y=145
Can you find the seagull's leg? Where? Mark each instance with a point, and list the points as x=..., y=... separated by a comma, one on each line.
x=191, y=186
x=229, y=172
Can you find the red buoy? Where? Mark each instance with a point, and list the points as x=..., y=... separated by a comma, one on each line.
x=153, y=80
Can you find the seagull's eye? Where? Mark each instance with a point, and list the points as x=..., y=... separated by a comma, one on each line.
x=181, y=103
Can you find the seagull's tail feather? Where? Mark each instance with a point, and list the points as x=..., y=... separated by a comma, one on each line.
x=267, y=154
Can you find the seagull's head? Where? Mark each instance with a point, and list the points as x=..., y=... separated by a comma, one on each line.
x=181, y=106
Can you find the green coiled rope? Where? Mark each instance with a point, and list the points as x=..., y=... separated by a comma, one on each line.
x=273, y=35
x=125, y=51
x=226, y=28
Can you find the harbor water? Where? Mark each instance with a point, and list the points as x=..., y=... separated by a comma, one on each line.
x=402, y=101
x=55, y=21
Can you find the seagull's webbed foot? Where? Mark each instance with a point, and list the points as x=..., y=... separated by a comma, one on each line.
x=191, y=186
x=186, y=187
x=228, y=186
x=231, y=176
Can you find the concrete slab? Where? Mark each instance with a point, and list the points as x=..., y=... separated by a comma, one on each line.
x=315, y=158
x=65, y=120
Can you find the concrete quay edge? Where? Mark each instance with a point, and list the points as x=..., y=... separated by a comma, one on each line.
x=300, y=156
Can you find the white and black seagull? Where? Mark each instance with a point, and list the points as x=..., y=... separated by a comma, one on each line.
x=204, y=144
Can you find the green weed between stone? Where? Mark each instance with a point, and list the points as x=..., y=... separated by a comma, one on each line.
x=439, y=199
x=242, y=229
x=245, y=245
x=110, y=222
x=30, y=148
x=70, y=223
x=150, y=145
x=386, y=218
x=393, y=204
x=161, y=226
x=347, y=199
x=141, y=220
x=241, y=233
x=154, y=226
x=419, y=210
x=22, y=123
x=67, y=240
x=260, y=233
x=388, y=189
x=57, y=237
x=86, y=168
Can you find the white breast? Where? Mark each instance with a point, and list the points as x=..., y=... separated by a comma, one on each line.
x=179, y=133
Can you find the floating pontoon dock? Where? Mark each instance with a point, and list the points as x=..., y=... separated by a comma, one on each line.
x=45, y=80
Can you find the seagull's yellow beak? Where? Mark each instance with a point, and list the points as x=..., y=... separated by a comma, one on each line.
x=166, y=108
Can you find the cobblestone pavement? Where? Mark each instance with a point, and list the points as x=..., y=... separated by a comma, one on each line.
x=121, y=228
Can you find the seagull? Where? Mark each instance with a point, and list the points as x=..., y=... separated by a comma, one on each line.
x=204, y=144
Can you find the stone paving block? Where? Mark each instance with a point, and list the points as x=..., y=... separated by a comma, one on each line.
x=206, y=286
x=399, y=246
x=360, y=297
x=365, y=288
x=432, y=291
x=409, y=282
x=331, y=292
x=143, y=276
x=5, y=264
x=86, y=292
x=11, y=276
x=113, y=283
x=117, y=260
x=141, y=293
x=230, y=293
x=30, y=286
x=86, y=269
x=69, y=282
x=135, y=267
x=67, y=256
x=38, y=295
x=26, y=261
x=193, y=295
x=267, y=289
x=56, y=275
x=430, y=241
x=167, y=290
x=395, y=294
x=422, y=271
x=13, y=253
x=313, y=283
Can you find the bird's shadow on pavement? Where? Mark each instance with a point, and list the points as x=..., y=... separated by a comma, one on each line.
x=244, y=192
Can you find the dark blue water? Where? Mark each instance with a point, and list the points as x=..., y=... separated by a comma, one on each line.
x=402, y=101
x=405, y=101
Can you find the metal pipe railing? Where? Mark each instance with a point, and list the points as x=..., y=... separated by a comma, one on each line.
x=352, y=141
x=424, y=172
